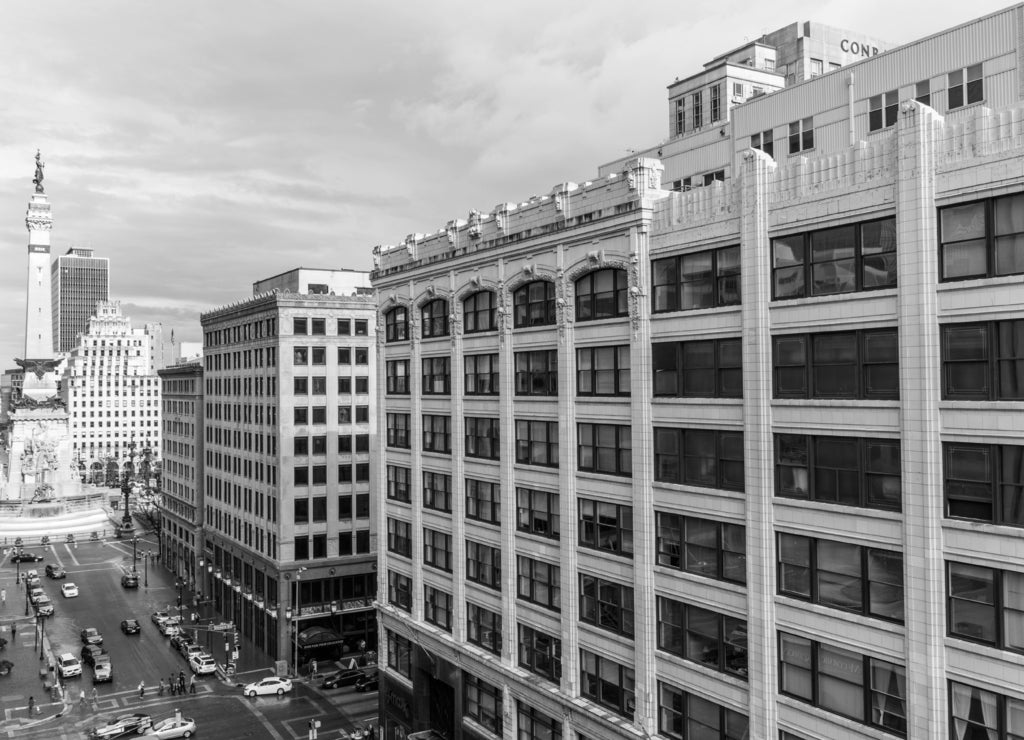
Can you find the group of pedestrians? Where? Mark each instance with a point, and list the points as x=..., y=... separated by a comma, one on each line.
x=175, y=685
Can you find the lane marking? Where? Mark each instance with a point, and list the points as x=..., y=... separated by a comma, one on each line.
x=71, y=555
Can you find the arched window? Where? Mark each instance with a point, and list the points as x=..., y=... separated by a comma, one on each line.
x=479, y=312
x=396, y=325
x=534, y=304
x=435, y=318
x=602, y=295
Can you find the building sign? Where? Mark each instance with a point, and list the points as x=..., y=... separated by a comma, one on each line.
x=857, y=48
x=346, y=606
x=397, y=703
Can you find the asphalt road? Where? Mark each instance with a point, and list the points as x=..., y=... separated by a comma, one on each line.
x=218, y=707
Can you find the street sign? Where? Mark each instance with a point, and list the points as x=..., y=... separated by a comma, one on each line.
x=234, y=655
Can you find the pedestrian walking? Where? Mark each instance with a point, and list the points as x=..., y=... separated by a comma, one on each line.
x=142, y=689
x=160, y=691
x=181, y=682
x=312, y=669
x=82, y=699
x=14, y=631
x=192, y=684
x=95, y=697
x=3, y=596
x=31, y=706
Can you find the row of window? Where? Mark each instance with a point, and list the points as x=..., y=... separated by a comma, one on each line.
x=318, y=326
x=302, y=356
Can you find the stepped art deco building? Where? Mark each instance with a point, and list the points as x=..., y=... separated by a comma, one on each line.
x=741, y=457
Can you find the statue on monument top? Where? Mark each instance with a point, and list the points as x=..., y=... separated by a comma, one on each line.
x=38, y=179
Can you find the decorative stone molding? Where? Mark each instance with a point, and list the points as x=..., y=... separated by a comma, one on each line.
x=475, y=220
x=636, y=294
x=563, y=306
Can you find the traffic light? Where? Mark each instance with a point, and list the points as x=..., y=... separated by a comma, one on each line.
x=236, y=638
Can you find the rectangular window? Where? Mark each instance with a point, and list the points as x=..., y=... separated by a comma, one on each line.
x=985, y=715
x=603, y=371
x=765, y=141
x=300, y=386
x=801, y=135
x=966, y=87
x=606, y=526
x=400, y=654
x=437, y=549
x=715, y=640
x=299, y=326
x=301, y=473
x=697, y=108
x=437, y=491
x=850, y=471
x=699, y=457
x=398, y=484
x=301, y=511
x=984, y=482
x=537, y=513
x=397, y=377
x=843, y=259
x=882, y=110
x=537, y=373
x=708, y=279
x=702, y=547
x=398, y=430
x=344, y=327
x=539, y=583
x=984, y=361
x=607, y=683
x=319, y=387
x=319, y=546
x=362, y=327
x=301, y=415
x=399, y=537
x=865, y=689
x=481, y=375
x=716, y=103
x=483, y=564
x=537, y=442
x=437, y=433
x=362, y=355
x=605, y=448
x=320, y=509
x=855, y=365
x=483, y=628
x=400, y=591
x=437, y=608
x=816, y=68
x=302, y=548
x=606, y=604
x=840, y=575
x=482, y=702
x=711, y=368
x=683, y=716
x=483, y=501
x=300, y=355
x=923, y=92
x=680, y=116
x=344, y=355
x=436, y=376
x=482, y=438
x=541, y=654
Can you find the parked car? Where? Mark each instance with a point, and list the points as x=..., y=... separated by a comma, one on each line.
x=44, y=606
x=68, y=590
x=91, y=652
x=56, y=571
x=122, y=725
x=172, y=727
x=91, y=636
x=189, y=650
x=169, y=626
x=34, y=594
x=367, y=683
x=102, y=670
x=33, y=582
x=25, y=556
x=270, y=685
x=344, y=677
x=157, y=617
x=180, y=640
x=202, y=664
x=68, y=665
x=131, y=626
x=130, y=580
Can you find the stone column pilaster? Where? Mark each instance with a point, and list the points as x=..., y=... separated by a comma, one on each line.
x=458, y=469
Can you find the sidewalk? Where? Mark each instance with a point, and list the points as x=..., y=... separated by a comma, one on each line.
x=23, y=681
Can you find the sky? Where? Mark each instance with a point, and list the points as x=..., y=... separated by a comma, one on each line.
x=204, y=145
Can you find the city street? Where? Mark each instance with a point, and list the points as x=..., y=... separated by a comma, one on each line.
x=218, y=707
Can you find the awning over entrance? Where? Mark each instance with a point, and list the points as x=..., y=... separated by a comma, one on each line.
x=315, y=637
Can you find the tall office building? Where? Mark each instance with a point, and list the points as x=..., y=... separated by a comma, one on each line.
x=289, y=528
x=736, y=461
x=79, y=281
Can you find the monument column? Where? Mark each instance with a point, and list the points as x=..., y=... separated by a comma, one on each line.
x=38, y=314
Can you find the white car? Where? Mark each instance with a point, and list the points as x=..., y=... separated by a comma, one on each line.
x=68, y=590
x=68, y=665
x=170, y=728
x=271, y=685
x=202, y=664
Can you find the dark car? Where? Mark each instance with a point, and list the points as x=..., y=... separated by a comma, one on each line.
x=25, y=557
x=131, y=626
x=130, y=580
x=91, y=636
x=367, y=683
x=181, y=641
x=122, y=726
x=91, y=652
x=344, y=677
x=55, y=571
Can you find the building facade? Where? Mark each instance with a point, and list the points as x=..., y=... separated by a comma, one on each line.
x=739, y=461
x=79, y=281
x=112, y=394
x=181, y=480
x=289, y=527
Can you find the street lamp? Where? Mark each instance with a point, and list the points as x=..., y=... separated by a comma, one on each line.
x=145, y=565
x=295, y=626
x=179, y=584
x=42, y=634
x=135, y=542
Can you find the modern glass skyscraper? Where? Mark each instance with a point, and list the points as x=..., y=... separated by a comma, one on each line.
x=79, y=280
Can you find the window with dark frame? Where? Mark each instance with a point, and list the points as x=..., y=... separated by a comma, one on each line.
x=482, y=437
x=605, y=448
x=983, y=361
x=539, y=583
x=985, y=605
x=300, y=355
x=396, y=324
x=437, y=549
x=602, y=294
x=483, y=564
x=344, y=327
x=537, y=373
x=606, y=526
x=436, y=376
x=399, y=537
x=483, y=501
x=533, y=304
x=882, y=110
x=702, y=547
x=318, y=327
x=764, y=141
x=537, y=513
x=982, y=239
x=437, y=433
x=400, y=654
x=541, y=654
x=801, y=135
x=841, y=575
x=362, y=327
x=699, y=457
x=977, y=714
x=344, y=508
x=400, y=591
x=854, y=365
x=606, y=604
x=603, y=371
x=850, y=471
x=437, y=608
x=481, y=375
x=684, y=716
x=984, y=482
x=537, y=442
x=437, y=491
x=397, y=426
x=965, y=86
x=841, y=259
x=299, y=326
x=479, y=312
x=706, y=279
x=608, y=683
x=435, y=318
x=397, y=377
x=483, y=628
x=398, y=483
x=717, y=641
x=709, y=368
x=483, y=703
